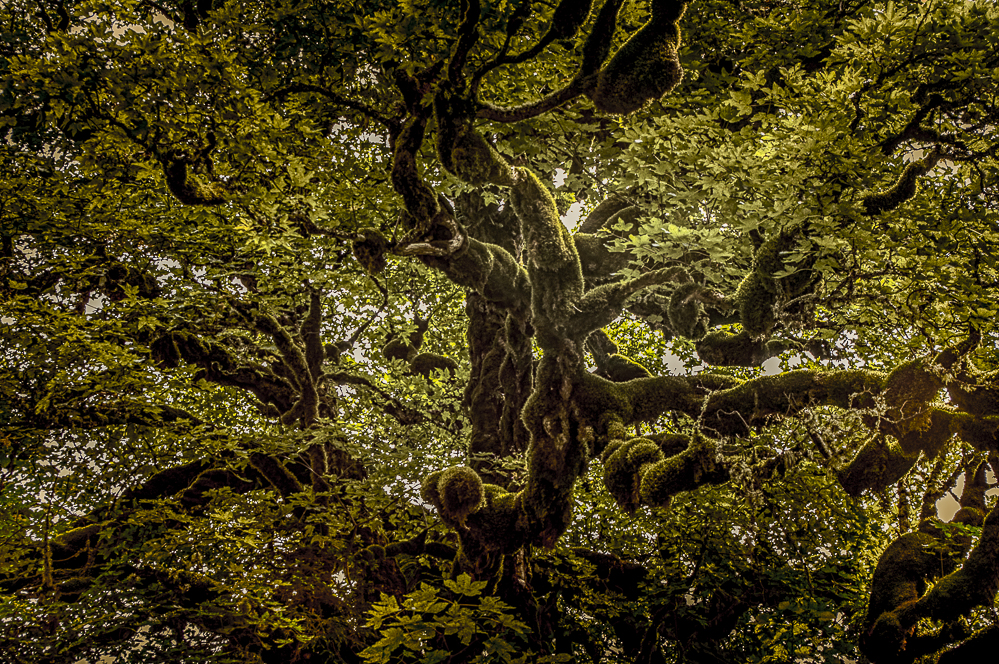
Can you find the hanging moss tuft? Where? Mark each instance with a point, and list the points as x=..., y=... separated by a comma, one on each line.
x=646, y=67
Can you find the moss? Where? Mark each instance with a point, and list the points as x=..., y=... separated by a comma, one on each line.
x=981, y=647
x=370, y=248
x=624, y=467
x=723, y=349
x=686, y=313
x=756, y=306
x=886, y=639
x=420, y=200
x=606, y=210
x=398, y=349
x=552, y=264
x=596, y=260
x=425, y=364
x=902, y=190
x=770, y=260
x=975, y=584
x=908, y=390
x=980, y=397
x=501, y=522
x=671, y=444
x=880, y=463
x=646, y=67
x=547, y=241
x=686, y=471
x=188, y=187
x=477, y=162
x=933, y=439
x=854, y=388
x=276, y=473
x=569, y=17
x=456, y=492
x=980, y=432
x=620, y=368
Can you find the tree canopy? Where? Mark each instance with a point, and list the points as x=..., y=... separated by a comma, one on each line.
x=499, y=330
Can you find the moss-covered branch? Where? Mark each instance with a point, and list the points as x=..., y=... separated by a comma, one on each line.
x=903, y=189
x=899, y=597
x=646, y=67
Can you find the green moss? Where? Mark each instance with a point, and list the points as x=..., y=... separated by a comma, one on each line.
x=569, y=16
x=370, y=248
x=421, y=201
x=552, y=262
x=646, y=67
x=880, y=463
x=398, y=349
x=686, y=313
x=756, y=306
x=477, y=162
x=501, y=522
x=909, y=389
x=186, y=186
x=607, y=213
x=980, y=396
x=723, y=349
x=426, y=363
x=853, y=388
x=981, y=647
x=456, y=492
x=931, y=440
x=620, y=368
x=686, y=471
x=770, y=260
x=624, y=468
x=596, y=260
x=980, y=432
x=547, y=241
x=903, y=189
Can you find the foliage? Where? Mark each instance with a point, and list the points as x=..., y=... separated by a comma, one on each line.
x=498, y=330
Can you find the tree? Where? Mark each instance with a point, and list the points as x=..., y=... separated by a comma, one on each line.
x=302, y=361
